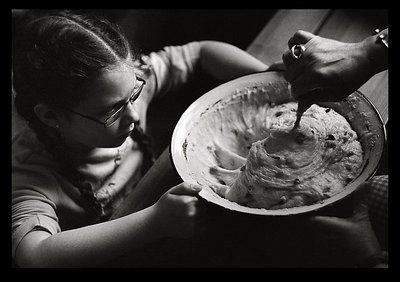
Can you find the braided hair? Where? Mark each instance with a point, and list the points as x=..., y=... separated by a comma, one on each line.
x=57, y=54
x=54, y=58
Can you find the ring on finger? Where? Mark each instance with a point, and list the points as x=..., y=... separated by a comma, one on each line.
x=297, y=51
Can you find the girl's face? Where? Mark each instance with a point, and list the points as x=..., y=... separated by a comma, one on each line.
x=108, y=92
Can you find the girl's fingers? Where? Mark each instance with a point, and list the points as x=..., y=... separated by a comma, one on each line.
x=185, y=189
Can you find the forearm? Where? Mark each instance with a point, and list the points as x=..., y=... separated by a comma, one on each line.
x=225, y=62
x=87, y=246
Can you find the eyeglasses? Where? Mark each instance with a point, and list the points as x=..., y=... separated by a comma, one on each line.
x=116, y=112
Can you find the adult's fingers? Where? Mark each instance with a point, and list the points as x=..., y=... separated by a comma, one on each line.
x=288, y=59
x=304, y=85
x=185, y=189
x=300, y=37
x=307, y=87
x=296, y=68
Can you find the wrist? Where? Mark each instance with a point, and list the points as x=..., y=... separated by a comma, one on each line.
x=157, y=223
x=377, y=51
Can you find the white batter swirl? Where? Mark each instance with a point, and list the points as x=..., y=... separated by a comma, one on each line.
x=294, y=168
x=245, y=150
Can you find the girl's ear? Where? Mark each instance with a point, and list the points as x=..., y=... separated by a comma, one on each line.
x=47, y=115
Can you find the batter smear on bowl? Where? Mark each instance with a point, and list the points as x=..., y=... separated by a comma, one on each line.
x=291, y=168
x=237, y=141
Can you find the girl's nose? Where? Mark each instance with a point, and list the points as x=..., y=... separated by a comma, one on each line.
x=131, y=114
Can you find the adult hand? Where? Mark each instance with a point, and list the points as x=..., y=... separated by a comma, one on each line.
x=176, y=209
x=334, y=68
x=352, y=238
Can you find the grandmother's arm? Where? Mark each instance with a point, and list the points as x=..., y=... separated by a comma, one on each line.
x=224, y=61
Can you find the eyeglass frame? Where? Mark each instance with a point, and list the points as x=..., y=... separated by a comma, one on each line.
x=135, y=95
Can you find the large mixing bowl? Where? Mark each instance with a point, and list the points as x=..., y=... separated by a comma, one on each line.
x=357, y=109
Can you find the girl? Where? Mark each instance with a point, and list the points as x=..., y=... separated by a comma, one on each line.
x=85, y=93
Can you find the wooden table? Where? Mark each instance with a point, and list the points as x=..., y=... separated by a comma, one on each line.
x=230, y=232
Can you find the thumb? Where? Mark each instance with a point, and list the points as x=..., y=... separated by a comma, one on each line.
x=360, y=199
x=277, y=66
x=326, y=223
x=185, y=188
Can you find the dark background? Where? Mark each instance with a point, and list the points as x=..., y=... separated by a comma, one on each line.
x=151, y=29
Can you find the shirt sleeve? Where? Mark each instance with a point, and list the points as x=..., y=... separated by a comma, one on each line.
x=174, y=65
x=31, y=210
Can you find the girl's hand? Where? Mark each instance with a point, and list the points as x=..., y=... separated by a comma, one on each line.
x=175, y=211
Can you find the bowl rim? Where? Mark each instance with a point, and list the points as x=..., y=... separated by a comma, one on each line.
x=211, y=196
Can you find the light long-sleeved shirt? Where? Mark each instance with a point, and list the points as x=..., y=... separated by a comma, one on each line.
x=44, y=198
